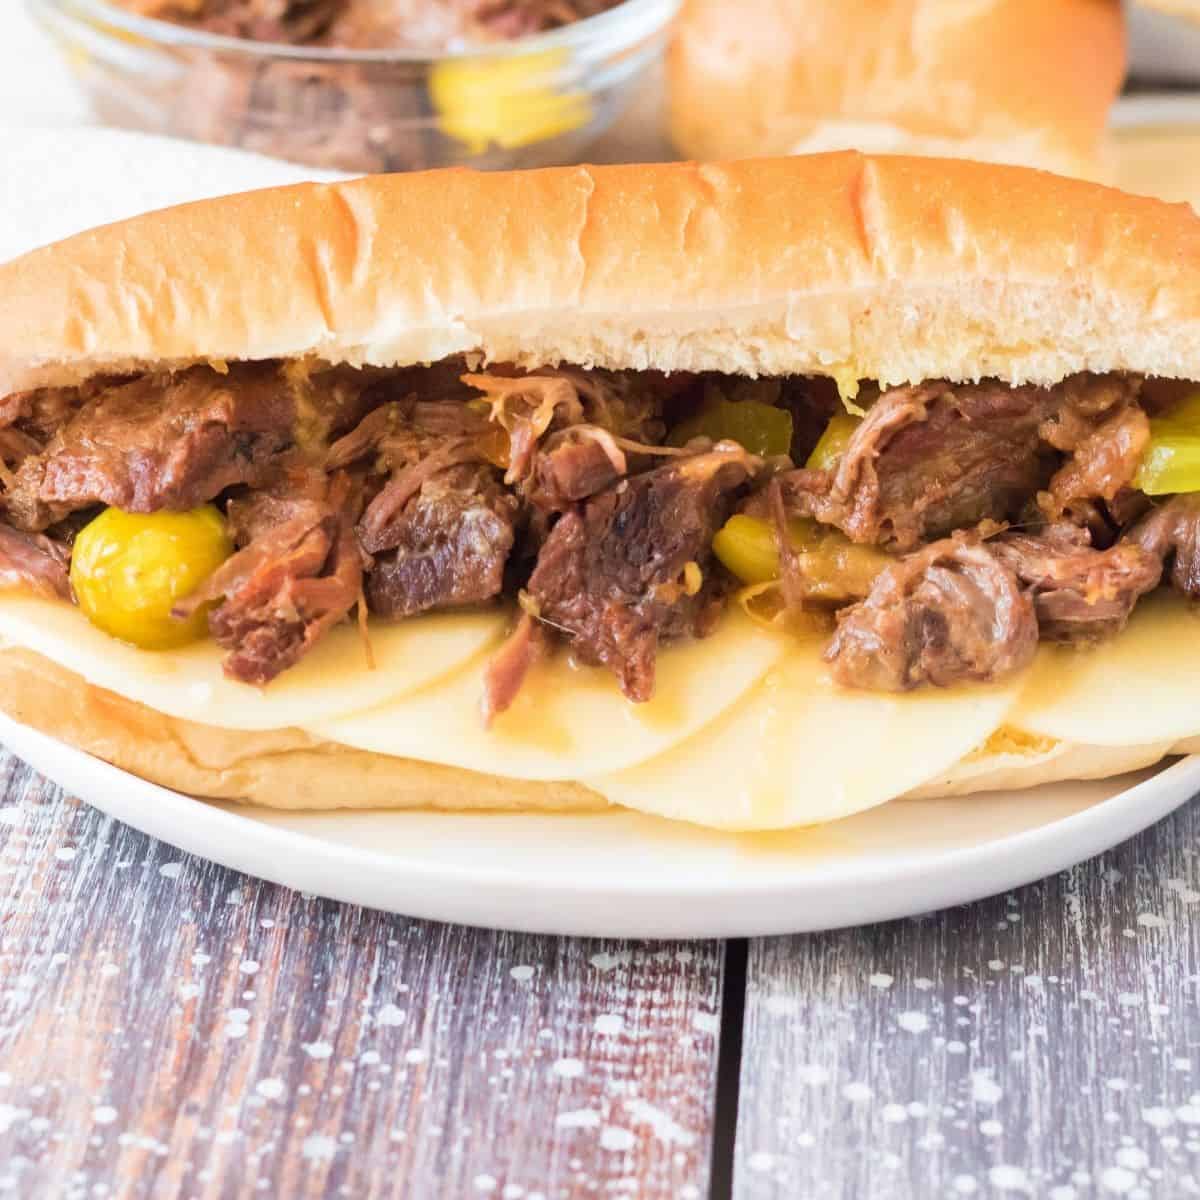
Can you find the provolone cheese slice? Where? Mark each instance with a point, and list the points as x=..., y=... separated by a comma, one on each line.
x=1139, y=686
x=332, y=679
x=568, y=720
x=800, y=750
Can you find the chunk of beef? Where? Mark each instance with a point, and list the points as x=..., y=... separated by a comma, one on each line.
x=34, y=562
x=159, y=442
x=298, y=574
x=574, y=465
x=1081, y=594
x=1171, y=532
x=947, y=613
x=613, y=574
x=930, y=459
x=443, y=545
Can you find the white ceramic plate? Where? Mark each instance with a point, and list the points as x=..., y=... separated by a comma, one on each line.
x=618, y=874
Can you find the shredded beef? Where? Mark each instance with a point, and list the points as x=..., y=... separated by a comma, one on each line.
x=446, y=546
x=1106, y=435
x=1081, y=594
x=30, y=560
x=611, y=575
x=158, y=442
x=1171, y=532
x=298, y=574
x=507, y=670
x=947, y=613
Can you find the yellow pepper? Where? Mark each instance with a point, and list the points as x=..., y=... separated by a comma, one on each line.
x=1172, y=459
x=835, y=569
x=129, y=569
x=760, y=428
x=506, y=100
x=833, y=442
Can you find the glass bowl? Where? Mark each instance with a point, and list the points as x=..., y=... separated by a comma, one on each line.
x=535, y=101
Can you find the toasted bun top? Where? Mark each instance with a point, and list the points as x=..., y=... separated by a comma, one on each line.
x=1024, y=81
x=888, y=268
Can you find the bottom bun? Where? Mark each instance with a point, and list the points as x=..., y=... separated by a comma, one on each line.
x=289, y=768
x=283, y=768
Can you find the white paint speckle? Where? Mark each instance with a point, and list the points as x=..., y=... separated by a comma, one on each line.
x=913, y=1022
x=1159, y=1118
x=1063, y=1192
x=248, y=967
x=922, y=984
x=857, y=1093
x=984, y=1089
x=512, y=1191
x=568, y=1068
x=1008, y=1178
x=317, y=1049
x=108, y=970
x=991, y=1128
x=956, y=1047
x=65, y=853
x=484, y=1183
x=170, y=870
x=760, y=1160
x=269, y=1089
x=606, y=962
x=1117, y=1180
x=522, y=974
x=104, y=1114
x=318, y=1148
x=189, y=991
x=880, y=980
x=894, y=1114
x=609, y=1023
x=1129, y=999
x=706, y=1022
x=1188, y=1114
x=369, y=1058
x=10, y=815
x=578, y=1118
x=614, y=1138
x=1133, y=1158
x=812, y=1074
x=415, y=1056
x=1151, y=921
x=389, y=1014
x=661, y=1124
x=964, y=1185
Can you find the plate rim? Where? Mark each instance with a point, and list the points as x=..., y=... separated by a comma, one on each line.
x=449, y=891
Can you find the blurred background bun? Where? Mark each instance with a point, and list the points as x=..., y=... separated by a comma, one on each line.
x=1022, y=81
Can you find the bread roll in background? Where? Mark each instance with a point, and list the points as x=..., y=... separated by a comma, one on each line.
x=1019, y=81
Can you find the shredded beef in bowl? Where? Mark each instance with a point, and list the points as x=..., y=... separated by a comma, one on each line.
x=366, y=85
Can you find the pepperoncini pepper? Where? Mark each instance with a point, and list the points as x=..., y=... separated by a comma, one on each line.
x=1172, y=459
x=834, y=569
x=506, y=100
x=129, y=569
x=759, y=428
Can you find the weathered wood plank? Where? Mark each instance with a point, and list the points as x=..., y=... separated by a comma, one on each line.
x=1044, y=1043
x=170, y=1028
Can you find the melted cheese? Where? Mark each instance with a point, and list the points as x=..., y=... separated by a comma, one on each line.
x=568, y=721
x=188, y=683
x=800, y=750
x=1137, y=687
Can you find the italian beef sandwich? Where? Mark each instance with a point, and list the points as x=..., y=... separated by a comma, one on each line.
x=751, y=495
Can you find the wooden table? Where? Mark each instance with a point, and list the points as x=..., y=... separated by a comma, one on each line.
x=172, y=1029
